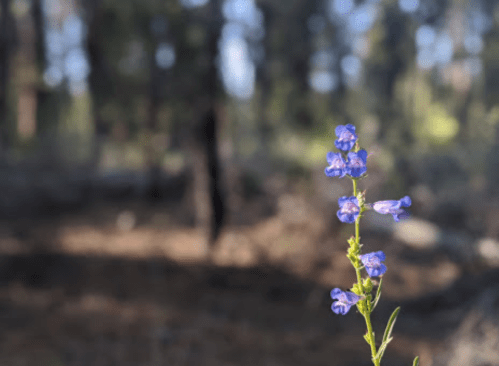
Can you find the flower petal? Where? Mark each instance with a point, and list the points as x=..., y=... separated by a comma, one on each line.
x=346, y=218
x=363, y=155
x=381, y=255
x=400, y=214
x=342, y=200
x=405, y=201
x=386, y=207
x=340, y=129
x=376, y=271
x=330, y=156
x=352, y=298
x=340, y=308
x=335, y=293
x=350, y=127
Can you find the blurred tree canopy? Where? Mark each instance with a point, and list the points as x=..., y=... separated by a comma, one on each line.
x=165, y=86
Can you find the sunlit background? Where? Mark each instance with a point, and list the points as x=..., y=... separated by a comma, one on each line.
x=162, y=190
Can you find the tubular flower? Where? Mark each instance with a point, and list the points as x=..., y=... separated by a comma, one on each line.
x=356, y=163
x=372, y=263
x=345, y=301
x=337, y=165
x=393, y=207
x=349, y=209
x=346, y=137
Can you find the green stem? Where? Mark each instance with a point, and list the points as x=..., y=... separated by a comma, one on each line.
x=357, y=264
x=372, y=343
x=367, y=314
x=357, y=240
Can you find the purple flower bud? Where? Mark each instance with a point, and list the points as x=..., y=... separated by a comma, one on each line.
x=346, y=137
x=345, y=301
x=356, y=163
x=393, y=207
x=372, y=263
x=337, y=165
x=349, y=209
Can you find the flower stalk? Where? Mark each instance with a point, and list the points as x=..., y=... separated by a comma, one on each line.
x=351, y=209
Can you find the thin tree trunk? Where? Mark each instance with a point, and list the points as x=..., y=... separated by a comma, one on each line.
x=99, y=79
x=154, y=168
x=39, y=33
x=208, y=192
x=6, y=34
x=265, y=82
x=26, y=75
x=211, y=129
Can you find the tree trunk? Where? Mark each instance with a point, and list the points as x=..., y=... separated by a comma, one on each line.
x=99, y=79
x=208, y=192
x=154, y=167
x=6, y=35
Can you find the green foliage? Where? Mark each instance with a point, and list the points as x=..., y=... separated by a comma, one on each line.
x=378, y=295
x=387, y=336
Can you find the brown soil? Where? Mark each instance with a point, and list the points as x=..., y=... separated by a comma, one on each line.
x=80, y=291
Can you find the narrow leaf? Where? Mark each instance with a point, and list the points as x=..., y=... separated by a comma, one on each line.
x=382, y=348
x=378, y=294
x=387, y=337
x=391, y=324
x=416, y=361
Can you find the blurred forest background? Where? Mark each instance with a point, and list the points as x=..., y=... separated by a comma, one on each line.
x=162, y=189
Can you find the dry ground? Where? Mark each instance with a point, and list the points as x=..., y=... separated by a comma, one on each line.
x=129, y=285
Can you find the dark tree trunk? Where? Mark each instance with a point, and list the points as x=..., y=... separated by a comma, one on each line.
x=211, y=128
x=6, y=40
x=39, y=33
x=263, y=78
x=207, y=187
x=208, y=192
x=99, y=79
x=215, y=176
x=155, y=190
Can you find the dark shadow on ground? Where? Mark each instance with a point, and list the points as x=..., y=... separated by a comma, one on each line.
x=77, y=307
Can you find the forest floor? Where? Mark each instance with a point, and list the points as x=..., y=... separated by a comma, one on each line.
x=130, y=286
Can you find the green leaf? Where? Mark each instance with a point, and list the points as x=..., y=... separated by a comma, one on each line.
x=366, y=337
x=378, y=294
x=387, y=337
x=391, y=324
x=382, y=348
x=416, y=361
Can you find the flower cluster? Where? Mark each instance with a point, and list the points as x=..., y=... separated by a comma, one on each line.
x=351, y=162
x=354, y=164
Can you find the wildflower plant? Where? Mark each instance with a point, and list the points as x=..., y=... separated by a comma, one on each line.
x=351, y=162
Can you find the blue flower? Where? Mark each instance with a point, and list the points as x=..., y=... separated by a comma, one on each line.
x=345, y=301
x=372, y=263
x=349, y=209
x=393, y=207
x=356, y=163
x=346, y=137
x=337, y=165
